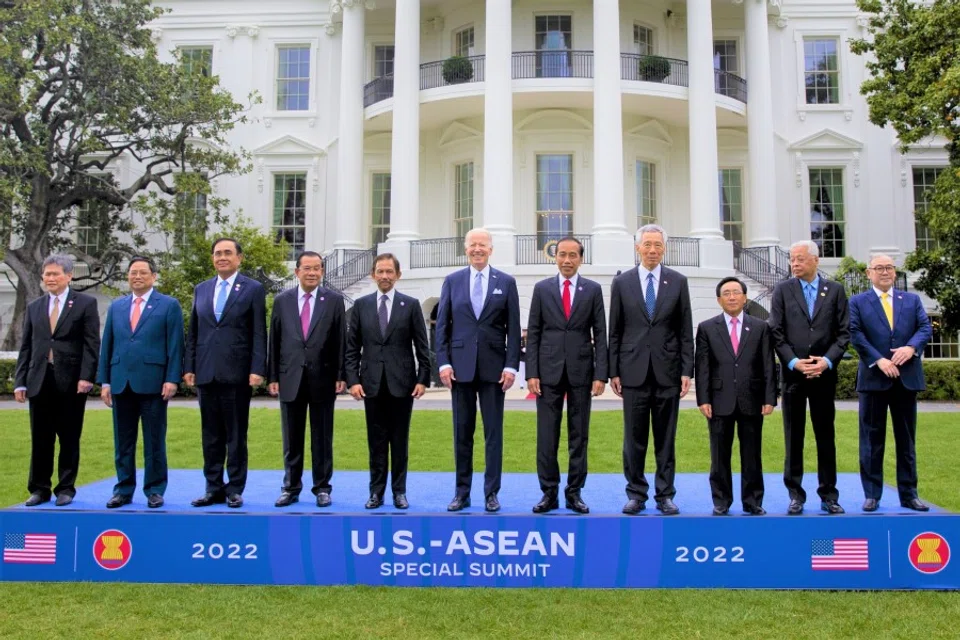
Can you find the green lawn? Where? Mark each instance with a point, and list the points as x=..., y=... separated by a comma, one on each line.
x=138, y=611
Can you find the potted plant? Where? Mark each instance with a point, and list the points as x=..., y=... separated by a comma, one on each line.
x=653, y=68
x=457, y=69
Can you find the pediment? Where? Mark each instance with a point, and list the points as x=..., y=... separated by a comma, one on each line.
x=554, y=120
x=652, y=129
x=826, y=140
x=289, y=146
x=456, y=131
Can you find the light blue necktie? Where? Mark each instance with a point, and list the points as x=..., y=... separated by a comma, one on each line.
x=221, y=300
x=651, y=298
x=476, y=298
x=811, y=295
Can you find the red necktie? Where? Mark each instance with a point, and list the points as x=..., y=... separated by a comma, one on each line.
x=566, y=298
x=733, y=335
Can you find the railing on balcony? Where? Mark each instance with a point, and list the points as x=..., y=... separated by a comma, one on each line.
x=378, y=89
x=437, y=252
x=755, y=263
x=730, y=85
x=432, y=74
x=642, y=68
x=346, y=267
x=552, y=64
x=681, y=252
x=541, y=248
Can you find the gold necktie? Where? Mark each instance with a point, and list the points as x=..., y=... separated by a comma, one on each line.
x=887, y=308
x=54, y=316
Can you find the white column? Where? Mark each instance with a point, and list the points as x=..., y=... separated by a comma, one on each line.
x=350, y=216
x=704, y=190
x=611, y=244
x=762, y=204
x=498, y=132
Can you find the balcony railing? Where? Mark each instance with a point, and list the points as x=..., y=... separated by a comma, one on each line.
x=641, y=68
x=730, y=85
x=437, y=252
x=541, y=248
x=432, y=74
x=681, y=252
x=379, y=89
x=552, y=64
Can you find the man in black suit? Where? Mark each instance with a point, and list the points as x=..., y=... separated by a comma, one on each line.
x=566, y=357
x=386, y=329
x=226, y=357
x=809, y=320
x=478, y=352
x=651, y=365
x=736, y=387
x=305, y=365
x=56, y=368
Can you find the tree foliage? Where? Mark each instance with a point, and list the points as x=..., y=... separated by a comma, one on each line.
x=88, y=113
x=913, y=55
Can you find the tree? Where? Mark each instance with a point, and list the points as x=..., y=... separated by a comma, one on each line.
x=915, y=88
x=81, y=91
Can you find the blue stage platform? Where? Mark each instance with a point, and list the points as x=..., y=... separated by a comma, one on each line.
x=426, y=546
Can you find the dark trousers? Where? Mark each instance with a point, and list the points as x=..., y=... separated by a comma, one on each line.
x=749, y=429
x=641, y=406
x=549, y=416
x=55, y=415
x=129, y=409
x=465, y=395
x=293, y=426
x=224, y=420
x=821, y=393
x=388, y=436
x=873, y=433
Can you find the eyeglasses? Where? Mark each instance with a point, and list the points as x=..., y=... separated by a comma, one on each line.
x=884, y=268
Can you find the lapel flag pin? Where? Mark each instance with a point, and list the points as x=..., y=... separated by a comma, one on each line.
x=823, y=295
x=402, y=303
x=321, y=298
x=236, y=288
x=746, y=328
x=899, y=297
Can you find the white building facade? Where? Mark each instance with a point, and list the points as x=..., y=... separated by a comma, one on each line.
x=735, y=124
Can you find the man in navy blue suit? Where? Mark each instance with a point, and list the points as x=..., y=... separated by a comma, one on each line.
x=141, y=358
x=226, y=357
x=478, y=352
x=889, y=329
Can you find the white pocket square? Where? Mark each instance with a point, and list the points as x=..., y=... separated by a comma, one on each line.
x=497, y=292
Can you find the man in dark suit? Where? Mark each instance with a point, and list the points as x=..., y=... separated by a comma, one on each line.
x=386, y=329
x=566, y=357
x=809, y=320
x=478, y=352
x=736, y=387
x=226, y=357
x=56, y=368
x=305, y=368
x=651, y=365
x=141, y=361
x=889, y=329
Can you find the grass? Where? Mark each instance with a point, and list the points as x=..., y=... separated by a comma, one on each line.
x=135, y=611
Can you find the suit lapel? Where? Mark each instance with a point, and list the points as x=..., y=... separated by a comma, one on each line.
x=797, y=290
x=720, y=322
x=152, y=302
x=821, y=297
x=635, y=291
x=577, y=302
x=67, y=306
x=745, y=331
x=319, y=307
x=877, y=307
x=392, y=318
x=554, y=295
x=664, y=290
x=491, y=287
x=896, y=299
x=238, y=288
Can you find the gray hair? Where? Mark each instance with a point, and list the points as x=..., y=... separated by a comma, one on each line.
x=475, y=231
x=65, y=262
x=810, y=245
x=650, y=228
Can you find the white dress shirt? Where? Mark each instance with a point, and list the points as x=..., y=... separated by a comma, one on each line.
x=573, y=287
x=727, y=318
x=643, y=273
x=216, y=290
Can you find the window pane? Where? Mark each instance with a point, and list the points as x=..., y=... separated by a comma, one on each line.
x=827, y=211
x=463, y=44
x=463, y=199
x=923, y=181
x=821, y=64
x=197, y=60
x=643, y=40
x=380, y=213
x=290, y=209
x=731, y=203
x=293, y=78
x=383, y=60
x=646, y=175
x=554, y=196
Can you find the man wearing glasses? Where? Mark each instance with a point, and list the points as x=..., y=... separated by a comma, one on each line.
x=889, y=329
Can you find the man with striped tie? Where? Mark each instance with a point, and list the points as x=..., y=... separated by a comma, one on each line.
x=889, y=329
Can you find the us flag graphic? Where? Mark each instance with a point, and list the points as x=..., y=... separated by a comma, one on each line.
x=30, y=548
x=840, y=554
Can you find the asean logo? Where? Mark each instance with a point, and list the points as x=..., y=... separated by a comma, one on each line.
x=112, y=550
x=929, y=553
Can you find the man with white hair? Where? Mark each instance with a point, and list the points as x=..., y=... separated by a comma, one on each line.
x=651, y=365
x=809, y=319
x=478, y=352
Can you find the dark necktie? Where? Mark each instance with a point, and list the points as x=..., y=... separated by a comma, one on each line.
x=566, y=298
x=382, y=314
x=651, y=298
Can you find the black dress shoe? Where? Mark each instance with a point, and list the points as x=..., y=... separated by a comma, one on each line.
x=286, y=499
x=492, y=504
x=459, y=503
x=754, y=510
x=234, y=500
x=64, y=499
x=721, y=511
x=576, y=504
x=36, y=499
x=400, y=501
x=374, y=502
x=832, y=507
x=154, y=501
x=323, y=499
x=795, y=508
x=547, y=503
x=667, y=507
x=870, y=504
x=208, y=499
x=118, y=501
x=633, y=507
x=915, y=504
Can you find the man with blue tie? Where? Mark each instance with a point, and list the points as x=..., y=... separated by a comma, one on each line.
x=141, y=357
x=809, y=321
x=226, y=357
x=889, y=329
x=478, y=352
